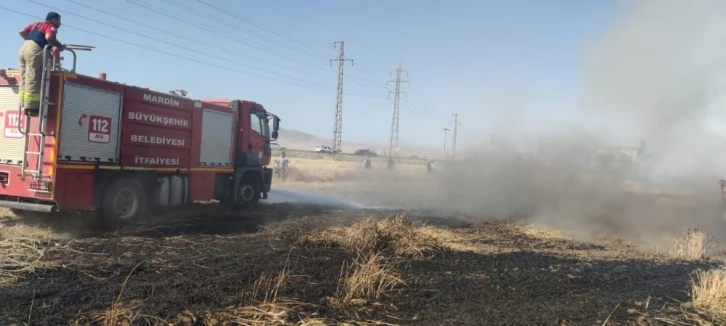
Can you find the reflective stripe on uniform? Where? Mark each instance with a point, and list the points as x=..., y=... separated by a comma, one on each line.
x=32, y=97
x=31, y=59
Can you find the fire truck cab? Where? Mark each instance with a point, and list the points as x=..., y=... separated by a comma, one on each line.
x=99, y=145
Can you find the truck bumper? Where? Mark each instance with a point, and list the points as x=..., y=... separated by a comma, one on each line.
x=45, y=208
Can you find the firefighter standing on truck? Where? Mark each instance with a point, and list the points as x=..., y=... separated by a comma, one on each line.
x=36, y=36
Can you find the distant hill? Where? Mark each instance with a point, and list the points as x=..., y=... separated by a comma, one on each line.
x=294, y=136
x=299, y=140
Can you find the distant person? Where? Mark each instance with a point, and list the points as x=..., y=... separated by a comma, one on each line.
x=367, y=163
x=430, y=166
x=391, y=164
x=282, y=165
x=36, y=36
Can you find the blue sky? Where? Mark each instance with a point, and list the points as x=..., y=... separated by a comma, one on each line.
x=492, y=62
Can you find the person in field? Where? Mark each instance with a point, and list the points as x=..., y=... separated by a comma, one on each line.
x=36, y=36
x=367, y=163
x=282, y=164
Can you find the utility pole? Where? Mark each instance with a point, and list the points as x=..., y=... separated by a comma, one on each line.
x=446, y=130
x=338, y=123
x=393, y=141
x=456, y=130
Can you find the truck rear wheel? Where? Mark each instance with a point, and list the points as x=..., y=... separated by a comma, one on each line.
x=249, y=190
x=124, y=201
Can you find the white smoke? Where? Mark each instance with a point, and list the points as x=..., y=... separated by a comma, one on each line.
x=661, y=70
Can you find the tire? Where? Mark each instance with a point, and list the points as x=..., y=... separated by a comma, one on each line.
x=249, y=190
x=124, y=202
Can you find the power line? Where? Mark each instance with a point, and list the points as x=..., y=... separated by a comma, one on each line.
x=179, y=46
x=225, y=68
x=422, y=113
x=396, y=102
x=370, y=75
x=261, y=25
x=213, y=17
x=188, y=39
x=228, y=35
x=367, y=72
x=365, y=84
x=415, y=102
x=423, y=103
x=370, y=50
x=224, y=30
x=338, y=127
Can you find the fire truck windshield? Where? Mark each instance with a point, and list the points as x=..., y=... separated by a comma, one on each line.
x=259, y=124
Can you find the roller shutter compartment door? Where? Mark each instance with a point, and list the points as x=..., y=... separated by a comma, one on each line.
x=90, y=124
x=11, y=140
x=217, y=133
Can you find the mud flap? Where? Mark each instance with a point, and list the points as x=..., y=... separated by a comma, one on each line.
x=228, y=198
x=266, y=181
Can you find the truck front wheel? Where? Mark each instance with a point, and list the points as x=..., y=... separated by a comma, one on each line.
x=124, y=201
x=249, y=190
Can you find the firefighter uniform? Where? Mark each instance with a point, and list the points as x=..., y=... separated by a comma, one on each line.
x=31, y=64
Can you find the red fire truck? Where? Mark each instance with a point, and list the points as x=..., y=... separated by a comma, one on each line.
x=120, y=150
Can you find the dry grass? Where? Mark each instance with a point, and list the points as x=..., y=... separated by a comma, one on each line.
x=347, y=157
x=367, y=279
x=280, y=312
x=310, y=170
x=397, y=235
x=708, y=291
x=266, y=288
x=694, y=244
x=267, y=306
x=6, y=213
x=22, y=250
x=327, y=170
x=119, y=314
x=541, y=232
x=300, y=174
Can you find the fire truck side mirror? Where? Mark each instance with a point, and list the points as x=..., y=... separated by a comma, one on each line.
x=274, y=135
x=276, y=124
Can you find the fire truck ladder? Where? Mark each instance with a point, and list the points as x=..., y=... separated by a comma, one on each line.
x=49, y=65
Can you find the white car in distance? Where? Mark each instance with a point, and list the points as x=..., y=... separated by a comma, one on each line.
x=276, y=147
x=323, y=149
